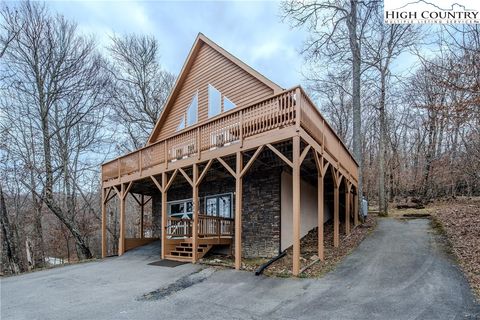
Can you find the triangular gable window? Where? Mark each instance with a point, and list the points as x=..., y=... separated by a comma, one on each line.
x=181, y=125
x=192, y=111
x=214, y=101
x=191, y=116
x=227, y=104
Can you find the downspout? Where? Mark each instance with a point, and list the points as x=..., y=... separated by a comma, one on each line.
x=264, y=266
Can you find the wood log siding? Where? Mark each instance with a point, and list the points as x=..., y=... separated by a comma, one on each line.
x=211, y=67
x=234, y=126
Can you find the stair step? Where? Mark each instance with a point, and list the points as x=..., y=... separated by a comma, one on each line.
x=178, y=258
x=187, y=249
x=181, y=253
x=183, y=250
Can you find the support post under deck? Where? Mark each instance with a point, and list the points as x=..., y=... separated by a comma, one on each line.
x=104, y=224
x=320, y=203
x=336, y=220
x=296, y=205
x=238, y=210
x=164, y=214
x=347, y=212
x=121, y=239
x=195, y=213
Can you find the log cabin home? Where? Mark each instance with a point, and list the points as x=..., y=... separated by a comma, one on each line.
x=234, y=161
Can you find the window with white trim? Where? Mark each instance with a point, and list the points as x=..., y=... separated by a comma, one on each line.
x=219, y=205
x=180, y=209
x=192, y=111
x=190, y=117
x=181, y=125
x=214, y=101
x=227, y=104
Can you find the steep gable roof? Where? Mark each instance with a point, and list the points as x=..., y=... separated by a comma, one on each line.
x=201, y=39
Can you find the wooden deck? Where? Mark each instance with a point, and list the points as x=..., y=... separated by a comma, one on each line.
x=288, y=116
x=244, y=128
x=211, y=231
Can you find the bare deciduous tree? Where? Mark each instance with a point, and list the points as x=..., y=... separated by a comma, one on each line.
x=57, y=86
x=141, y=86
x=337, y=31
x=386, y=42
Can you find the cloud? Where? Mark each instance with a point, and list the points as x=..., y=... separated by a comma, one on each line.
x=252, y=31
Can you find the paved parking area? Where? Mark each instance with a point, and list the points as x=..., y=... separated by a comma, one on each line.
x=399, y=272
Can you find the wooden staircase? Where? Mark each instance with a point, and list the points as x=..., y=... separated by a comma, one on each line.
x=183, y=251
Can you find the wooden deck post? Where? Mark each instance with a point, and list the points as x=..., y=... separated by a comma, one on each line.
x=296, y=205
x=298, y=108
x=238, y=210
x=320, y=203
x=336, y=220
x=121, y=239
x=347, y=211
x=142, y=212
x=164, y=214
x=355, y=209
x=104, y=224
x=195, y=213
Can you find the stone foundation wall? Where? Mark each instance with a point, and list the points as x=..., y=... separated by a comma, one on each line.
x=261, y=208
x=261, y=213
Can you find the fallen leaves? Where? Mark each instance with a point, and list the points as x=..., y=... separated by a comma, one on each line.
x=309, y=250
x=461, y=222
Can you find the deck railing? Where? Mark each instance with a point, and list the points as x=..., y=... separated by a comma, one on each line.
x=178, y=228
x=208, y=226
x=233, y=127
x=315, y=124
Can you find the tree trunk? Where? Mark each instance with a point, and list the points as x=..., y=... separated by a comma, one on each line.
x=83, y=249
x=356, y=64
x=382, y=203
x=431, y=147
x=9, y=243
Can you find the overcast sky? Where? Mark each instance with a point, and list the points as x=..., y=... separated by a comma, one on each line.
x=252, y=31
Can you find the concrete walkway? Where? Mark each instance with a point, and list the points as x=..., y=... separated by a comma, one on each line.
x=399, y=272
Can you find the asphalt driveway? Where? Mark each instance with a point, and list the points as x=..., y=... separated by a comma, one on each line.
x=401, y=271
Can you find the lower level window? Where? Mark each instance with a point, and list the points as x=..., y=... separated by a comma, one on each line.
x=219, y=205
x=180, y=209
